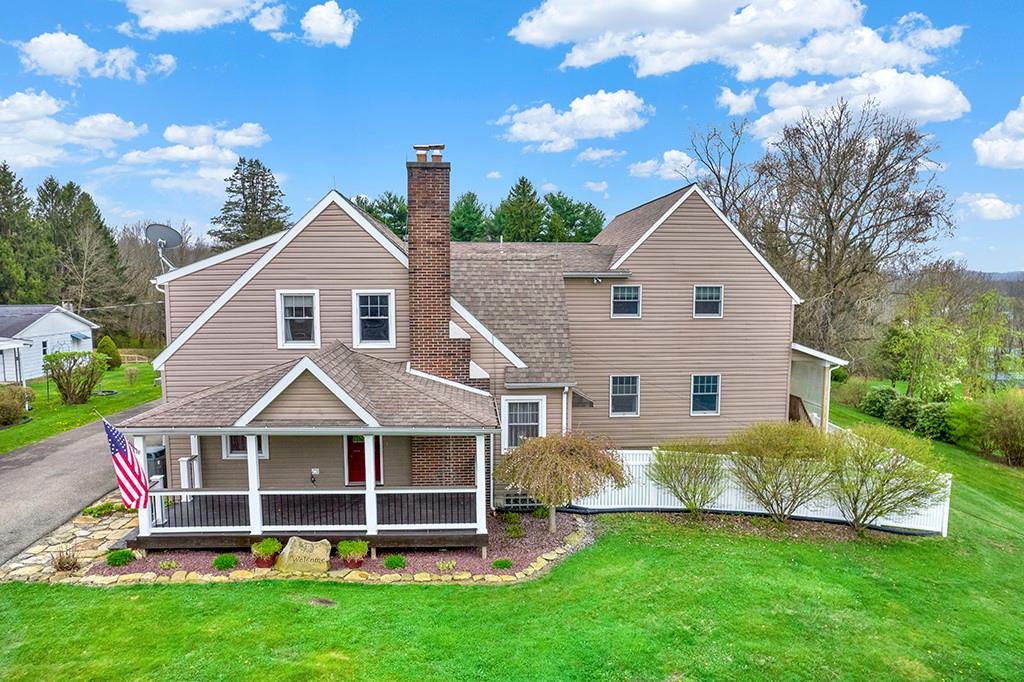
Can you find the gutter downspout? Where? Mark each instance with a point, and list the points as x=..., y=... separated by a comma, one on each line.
x=565, y=409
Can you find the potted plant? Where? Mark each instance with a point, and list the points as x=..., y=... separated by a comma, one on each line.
x=266, y=551
x=352, y=552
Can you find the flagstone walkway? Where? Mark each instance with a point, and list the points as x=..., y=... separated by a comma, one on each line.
x=44, y=484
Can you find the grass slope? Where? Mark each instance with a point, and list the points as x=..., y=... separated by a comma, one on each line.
x=50, y=416
x=653, y=598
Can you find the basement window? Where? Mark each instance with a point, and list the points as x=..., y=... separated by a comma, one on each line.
x=373, y=318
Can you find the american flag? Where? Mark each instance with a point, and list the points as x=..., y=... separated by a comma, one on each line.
x=130, y=477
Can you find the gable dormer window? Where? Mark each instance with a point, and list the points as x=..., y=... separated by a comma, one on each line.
x=373, y=318
x=707, y=300
x=298, y=318
x=626, y=300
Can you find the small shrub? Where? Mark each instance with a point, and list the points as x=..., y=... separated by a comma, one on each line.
x=510, y=517
x=879, y=471
x=540, y=512
x=109, y=348
x=353, y=549
x=851, y=392
x=840, y=375
x=266, y=548
x=932, y=422
x=691, y=470
x=903, y=412
x=394, y=561
x=965, y=420
x=168, y=565
x=225, y=562
x=877, y=400
x=120, y=557
x=75, y=374
x=65, y=559
x=12, y=404
x=1004, y=422
x=131, y=375
x=446, y=565
x=503, y=564
x=515, y=532
x=103, y=509
x=781, y=465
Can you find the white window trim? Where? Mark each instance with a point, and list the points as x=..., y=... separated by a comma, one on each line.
x=356, y=342
x=624, y=414
x=344, y=449
x=719, y=401
x=639, y=302
x=225, y=448
x=721, y=303
x=542, y=414
x=281, y=342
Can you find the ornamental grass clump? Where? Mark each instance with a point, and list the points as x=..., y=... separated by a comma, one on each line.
x=394, y=561
x=555, y=470
x=691, y=470
x=879, y=471
x=120, y=557
x=781, y=465
x=225, y=562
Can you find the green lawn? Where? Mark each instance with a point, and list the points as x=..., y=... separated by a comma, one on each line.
x=50, y=416
x=652, y=599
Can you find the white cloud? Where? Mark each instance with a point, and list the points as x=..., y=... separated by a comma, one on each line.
x=328, y=24
x=600, y=157
x=755, y=38
x=204, y=180
x=179, y=153
x=923, y=98
x=988, y=206
x=549, y=187
x=157, y=16
x=245, y=135
x=598, y=115
x=738, y=104
x=1002, y=145
x=955, y=255
x=494, y=175
x=593, y=186
x=270, y=18
x=68, y=57
x=673, y=165
x=30, y=136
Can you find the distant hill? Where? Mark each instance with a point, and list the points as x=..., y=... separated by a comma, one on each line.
x=1004, y=276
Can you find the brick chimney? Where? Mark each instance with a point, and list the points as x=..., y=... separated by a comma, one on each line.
x=431, y=349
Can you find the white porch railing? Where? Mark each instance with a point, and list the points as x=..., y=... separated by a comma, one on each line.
x=641, y=493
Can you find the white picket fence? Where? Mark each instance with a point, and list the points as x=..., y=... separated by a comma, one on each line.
x=641, y=493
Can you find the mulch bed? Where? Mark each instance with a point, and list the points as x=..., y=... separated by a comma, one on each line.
x=521, y=551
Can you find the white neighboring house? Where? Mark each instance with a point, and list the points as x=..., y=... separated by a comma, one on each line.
x=41, y=329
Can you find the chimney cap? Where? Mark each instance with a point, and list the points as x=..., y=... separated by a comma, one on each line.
x=427, y=147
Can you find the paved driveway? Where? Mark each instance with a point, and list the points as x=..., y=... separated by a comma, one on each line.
x=44, y=484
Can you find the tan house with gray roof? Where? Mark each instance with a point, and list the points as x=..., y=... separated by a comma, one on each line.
x=302, y=362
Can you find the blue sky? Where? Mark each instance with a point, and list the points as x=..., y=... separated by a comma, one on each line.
x=147, y=102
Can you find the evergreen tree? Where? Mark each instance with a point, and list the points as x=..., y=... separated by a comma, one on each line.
x=254, y=207
x=468, y=218
x=27, y=255
x=520, y=216
x=390, y=209
x=577, y=221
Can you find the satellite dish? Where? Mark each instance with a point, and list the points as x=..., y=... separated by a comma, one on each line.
x=163, y=237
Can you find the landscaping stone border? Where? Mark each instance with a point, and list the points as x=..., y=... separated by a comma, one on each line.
x=91, y=538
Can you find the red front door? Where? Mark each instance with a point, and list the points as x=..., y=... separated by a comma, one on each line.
x=356, y=453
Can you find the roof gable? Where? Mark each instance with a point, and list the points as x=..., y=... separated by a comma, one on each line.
x=307, y=398
x=16, y=319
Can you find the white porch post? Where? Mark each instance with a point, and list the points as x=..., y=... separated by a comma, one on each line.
x=255, y=509
x=481, y=487
x=826, y=395
x=370, y=467
x=197, y=462
x=145, y=526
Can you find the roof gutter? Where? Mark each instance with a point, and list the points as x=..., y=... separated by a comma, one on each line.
x=307, y=430
x=613, y=274
x=543, y=384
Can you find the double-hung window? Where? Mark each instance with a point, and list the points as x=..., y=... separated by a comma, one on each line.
x=373, y=318
x=523, y=417
x=705, y=394
x=298, y=318
x=626, y=300
x=624, y=396
x=707, y=300
x=234, y=447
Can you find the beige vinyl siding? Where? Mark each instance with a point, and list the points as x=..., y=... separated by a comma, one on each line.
x=482, y=352
x=291, y=458
x=192, y=294
x=307, y=398
x=333, y=254
x=749, y=346
x=554, y=404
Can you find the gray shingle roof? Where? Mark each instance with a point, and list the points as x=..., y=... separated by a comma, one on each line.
x=14, y=318
x=626, y=228
x=521, y=298
x=575, y=256
x=391, y=395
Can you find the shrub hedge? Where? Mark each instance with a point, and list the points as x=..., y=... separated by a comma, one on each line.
x=877, y=400
x=903, y=411
x=932, y=421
